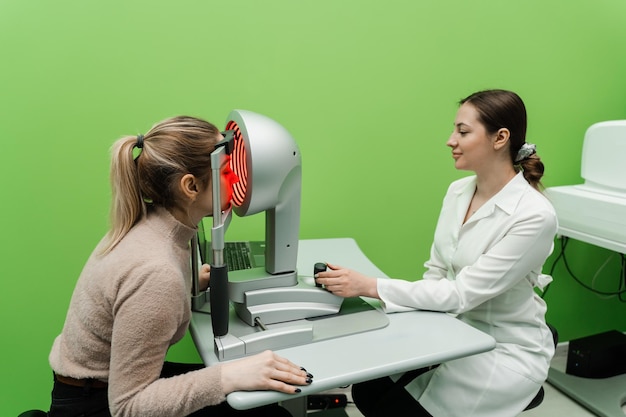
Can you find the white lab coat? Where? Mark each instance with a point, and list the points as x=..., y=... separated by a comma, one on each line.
x=485, y=271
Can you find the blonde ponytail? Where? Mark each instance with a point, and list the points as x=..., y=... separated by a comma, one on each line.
x=127, y=205
x=172, y=148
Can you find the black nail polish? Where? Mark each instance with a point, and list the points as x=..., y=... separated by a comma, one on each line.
x=298, y=390
x=309, y=380
x=309, y=375
x=303, y=369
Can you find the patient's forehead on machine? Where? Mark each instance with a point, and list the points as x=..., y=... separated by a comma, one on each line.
x=268, y=166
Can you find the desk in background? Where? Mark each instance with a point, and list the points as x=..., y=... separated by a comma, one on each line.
x=605, y=396
x=593, y=212
x=411, y=340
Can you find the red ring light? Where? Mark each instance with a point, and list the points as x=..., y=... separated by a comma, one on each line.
x=238, y=165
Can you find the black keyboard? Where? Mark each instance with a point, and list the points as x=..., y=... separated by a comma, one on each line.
x=237, y=256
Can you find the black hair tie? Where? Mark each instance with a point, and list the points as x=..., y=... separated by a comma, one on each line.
x=139, y=143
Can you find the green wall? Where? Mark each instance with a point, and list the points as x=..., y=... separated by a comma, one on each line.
x=367, y=88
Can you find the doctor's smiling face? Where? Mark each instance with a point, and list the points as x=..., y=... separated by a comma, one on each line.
x=470, y=143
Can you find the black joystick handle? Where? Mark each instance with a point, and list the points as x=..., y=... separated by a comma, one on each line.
x=318, y=267
x=219, y=300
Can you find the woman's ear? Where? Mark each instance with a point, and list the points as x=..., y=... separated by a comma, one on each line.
x=189, y=186
x=501, y=138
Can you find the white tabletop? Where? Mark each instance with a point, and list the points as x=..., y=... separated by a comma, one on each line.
x=411, y=340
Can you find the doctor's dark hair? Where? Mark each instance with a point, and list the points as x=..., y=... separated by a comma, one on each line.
x=169, y=150
x=504, y=109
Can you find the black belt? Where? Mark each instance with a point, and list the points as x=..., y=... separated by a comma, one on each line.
x=87, y=382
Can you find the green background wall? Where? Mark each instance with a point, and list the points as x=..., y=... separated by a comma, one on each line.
x=367, y=88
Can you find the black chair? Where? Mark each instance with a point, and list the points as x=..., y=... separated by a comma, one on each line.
x=539, y=397
x=33, y=413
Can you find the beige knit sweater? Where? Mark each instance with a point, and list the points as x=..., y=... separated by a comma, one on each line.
x=128, y=307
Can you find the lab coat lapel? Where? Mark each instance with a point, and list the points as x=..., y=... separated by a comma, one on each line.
x=506, y=199
x=464, y=197
x=485, y=211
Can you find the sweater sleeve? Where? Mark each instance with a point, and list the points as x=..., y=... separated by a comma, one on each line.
x=148, y=312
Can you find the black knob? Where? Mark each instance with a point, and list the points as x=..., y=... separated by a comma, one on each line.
x=318, y=267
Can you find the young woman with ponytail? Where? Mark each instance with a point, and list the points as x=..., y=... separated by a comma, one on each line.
x=132, y=299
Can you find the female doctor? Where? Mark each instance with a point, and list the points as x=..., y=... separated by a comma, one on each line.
x=494, y=233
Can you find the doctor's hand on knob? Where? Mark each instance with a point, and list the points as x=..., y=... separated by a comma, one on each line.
x=346, y=282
